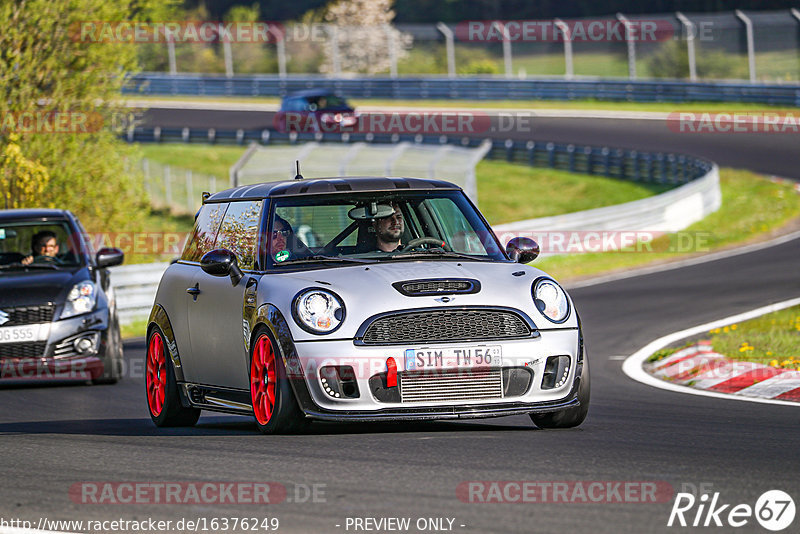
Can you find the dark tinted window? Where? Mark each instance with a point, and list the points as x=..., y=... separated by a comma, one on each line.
x=49, y=242
x=239, y=231
x=204, y=234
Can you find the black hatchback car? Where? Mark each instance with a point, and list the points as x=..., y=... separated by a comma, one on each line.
x=314, y=110
x=58, y=316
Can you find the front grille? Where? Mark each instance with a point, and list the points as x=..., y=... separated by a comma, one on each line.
x=421, y=288
x=452, y=385
x=22, y=315
x=445, y=325
x=23, y=350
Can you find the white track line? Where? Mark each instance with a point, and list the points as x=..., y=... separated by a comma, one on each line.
x=713, y=256
x=633, y=365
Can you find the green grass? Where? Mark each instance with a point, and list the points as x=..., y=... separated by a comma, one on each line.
x=201, y=158
x=137, y=328
x=510, y=192
x=585, y=104
x=772, y=339
x=751, y=207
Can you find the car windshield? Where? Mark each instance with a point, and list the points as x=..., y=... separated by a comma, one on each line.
x=372, y=227
x=36, y=244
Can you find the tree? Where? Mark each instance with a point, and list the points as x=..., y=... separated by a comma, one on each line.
x=363, y=31
x=48, y=70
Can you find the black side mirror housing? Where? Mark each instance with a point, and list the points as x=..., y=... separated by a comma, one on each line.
x=522, y=249
x=222, y=262
x=109, y=257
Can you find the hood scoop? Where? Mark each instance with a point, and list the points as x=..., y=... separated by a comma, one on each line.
x=438, y=286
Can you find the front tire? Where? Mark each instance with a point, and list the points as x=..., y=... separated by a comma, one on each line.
x=163, y=399
x=112, y=366
x=274, y=406
x=569, y=417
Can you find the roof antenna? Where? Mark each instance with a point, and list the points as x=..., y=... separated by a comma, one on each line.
x=298, y=176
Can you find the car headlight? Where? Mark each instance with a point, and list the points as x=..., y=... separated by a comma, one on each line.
x=551, y=300
x=318, y=311
x=80, y=299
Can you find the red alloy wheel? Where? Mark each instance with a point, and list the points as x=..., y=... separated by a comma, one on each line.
x=156, y=374
x=263, y=380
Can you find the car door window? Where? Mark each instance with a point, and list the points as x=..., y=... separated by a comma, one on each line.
x=239, y=232
x=204, y=234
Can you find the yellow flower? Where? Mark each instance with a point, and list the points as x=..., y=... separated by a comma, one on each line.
x=774, y=363
x=769, y=353
x=733, y=327
x=726, y=329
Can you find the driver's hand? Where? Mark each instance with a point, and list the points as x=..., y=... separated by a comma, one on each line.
x=27, y=260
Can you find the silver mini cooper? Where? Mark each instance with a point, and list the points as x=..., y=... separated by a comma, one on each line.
x=359, y=299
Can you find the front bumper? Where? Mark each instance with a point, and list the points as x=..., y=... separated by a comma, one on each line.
x=57, y=358
x=308, y=358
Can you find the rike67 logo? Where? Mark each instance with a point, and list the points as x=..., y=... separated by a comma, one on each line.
x=774, y=510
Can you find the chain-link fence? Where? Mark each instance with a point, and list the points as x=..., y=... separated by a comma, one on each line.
x=176, y=189
x=756, y=46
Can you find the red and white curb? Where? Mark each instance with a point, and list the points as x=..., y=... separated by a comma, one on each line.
x=713, y=375
x=700, y=367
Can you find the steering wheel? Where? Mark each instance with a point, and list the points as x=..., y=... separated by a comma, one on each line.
x=414, y=243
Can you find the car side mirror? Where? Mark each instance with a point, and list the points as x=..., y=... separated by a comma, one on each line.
x=522, y=249
x=222, y=262
x=109, y=257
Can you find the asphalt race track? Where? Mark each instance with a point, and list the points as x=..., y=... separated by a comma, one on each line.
x=54, y=437
x=771, y=153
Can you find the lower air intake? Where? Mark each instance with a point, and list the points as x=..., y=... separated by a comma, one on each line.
x=451, y=385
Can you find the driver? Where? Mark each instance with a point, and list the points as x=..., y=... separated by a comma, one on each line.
x=389, y=229
x=45, y=247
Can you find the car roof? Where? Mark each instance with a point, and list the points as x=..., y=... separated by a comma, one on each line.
x=310, y=92
x=32, y=213
x=332, y=185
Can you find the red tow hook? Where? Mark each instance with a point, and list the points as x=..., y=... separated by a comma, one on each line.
x=391, y=373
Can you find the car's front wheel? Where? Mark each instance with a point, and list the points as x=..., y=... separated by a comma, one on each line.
x=569, y=417
x=274, y=406
x=163, y=398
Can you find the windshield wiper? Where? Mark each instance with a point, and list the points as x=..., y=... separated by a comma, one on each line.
x=438, y=252
x=320, y=257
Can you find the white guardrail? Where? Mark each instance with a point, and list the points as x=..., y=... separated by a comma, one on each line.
x=136, y=285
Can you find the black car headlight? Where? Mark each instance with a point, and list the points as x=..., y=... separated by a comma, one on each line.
x=80, y=299
x=318, y=311
x=551, y=300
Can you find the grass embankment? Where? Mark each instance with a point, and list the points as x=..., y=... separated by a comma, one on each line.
x=752, y=206
x=508, y=105
x=772, y=339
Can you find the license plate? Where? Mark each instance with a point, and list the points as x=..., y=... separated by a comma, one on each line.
x=21, y=334
x=470, y=357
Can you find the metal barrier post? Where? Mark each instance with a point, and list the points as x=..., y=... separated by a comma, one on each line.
x=189, y=190
x=337, y=64
x=531, y=146
x=168, y=186
x=173, y=64
x=228, y=55
x=690, y=35
x=630, y=36
x=569, y=71
x=751, y=50
x=506, y=46
x=551, y=155
x=606, y=152
x=589, y=160
x=390, y=41
x=281, y=46
x=571, y=158
x=450, y=47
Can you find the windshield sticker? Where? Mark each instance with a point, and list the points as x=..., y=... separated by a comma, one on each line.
x=283, y=255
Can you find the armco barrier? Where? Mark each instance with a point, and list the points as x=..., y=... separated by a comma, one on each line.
x=469, y=88
x=135, y=287
x=650, y=167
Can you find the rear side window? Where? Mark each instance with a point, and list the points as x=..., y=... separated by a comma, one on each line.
x=204, y=234
x=239, y=232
